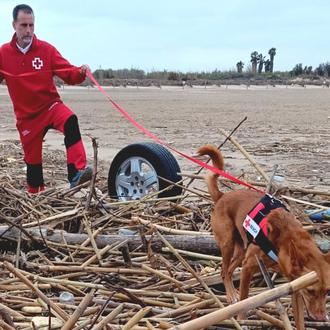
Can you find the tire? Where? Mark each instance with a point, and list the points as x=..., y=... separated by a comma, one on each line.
x=136, y=170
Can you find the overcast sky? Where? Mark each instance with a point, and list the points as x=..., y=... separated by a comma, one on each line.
x=185, y=35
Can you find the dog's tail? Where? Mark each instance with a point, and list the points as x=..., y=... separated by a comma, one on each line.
x=211, y=179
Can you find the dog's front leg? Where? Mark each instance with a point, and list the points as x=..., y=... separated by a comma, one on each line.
x=298, y=310
x=244, y=286
x=249, y=267
x=231, y=293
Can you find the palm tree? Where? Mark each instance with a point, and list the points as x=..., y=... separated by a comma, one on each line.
x=267, y=65
x=254, y=61
x=261, y=61
x=272, y=53
x=239, y=66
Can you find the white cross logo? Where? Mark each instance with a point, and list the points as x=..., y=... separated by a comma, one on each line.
x=37, y=63
x=251, y=226
x=247, y=222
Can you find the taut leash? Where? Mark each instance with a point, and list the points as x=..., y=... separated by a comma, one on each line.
x=140, y=127
x=155, y=138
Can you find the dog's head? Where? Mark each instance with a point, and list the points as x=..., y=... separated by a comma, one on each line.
x=315, y=295
x=300, y=262
x=298, y=255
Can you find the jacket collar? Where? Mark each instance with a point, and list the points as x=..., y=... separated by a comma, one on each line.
x=33, y=45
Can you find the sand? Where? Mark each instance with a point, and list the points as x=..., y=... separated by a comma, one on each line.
x=285, y=126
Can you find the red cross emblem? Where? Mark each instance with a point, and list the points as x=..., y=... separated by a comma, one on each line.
x=247, y=222
x=37, y=63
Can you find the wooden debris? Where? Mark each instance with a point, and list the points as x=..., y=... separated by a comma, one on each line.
x=148, y=264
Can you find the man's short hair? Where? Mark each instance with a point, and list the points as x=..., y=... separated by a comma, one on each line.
x=25, y=8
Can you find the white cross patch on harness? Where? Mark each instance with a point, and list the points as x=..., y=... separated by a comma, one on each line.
x=251, y=226
x=37, y=63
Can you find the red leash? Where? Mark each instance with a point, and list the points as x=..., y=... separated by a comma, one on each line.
x=33, y=73
x=144, y=130
x=155, y=138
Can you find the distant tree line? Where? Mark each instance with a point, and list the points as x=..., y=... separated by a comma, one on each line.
x=260, y=63
x=323, y=70
x=260, y=68
x=106, y=74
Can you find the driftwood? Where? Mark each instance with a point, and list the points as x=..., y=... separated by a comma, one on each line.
x=196, y=243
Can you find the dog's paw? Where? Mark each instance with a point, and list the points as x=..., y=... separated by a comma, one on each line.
x=233, y=299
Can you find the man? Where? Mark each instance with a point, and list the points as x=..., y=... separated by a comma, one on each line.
x=28, y=65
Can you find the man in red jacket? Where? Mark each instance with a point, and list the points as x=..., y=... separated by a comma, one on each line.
x=28, y=65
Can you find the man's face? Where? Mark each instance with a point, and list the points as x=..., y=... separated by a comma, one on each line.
x=24, y=28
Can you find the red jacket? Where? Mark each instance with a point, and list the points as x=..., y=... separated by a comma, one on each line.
x=32, y=94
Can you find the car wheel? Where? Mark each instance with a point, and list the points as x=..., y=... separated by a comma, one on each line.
x=137, y=170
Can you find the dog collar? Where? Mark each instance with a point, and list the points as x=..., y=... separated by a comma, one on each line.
x=256, y=221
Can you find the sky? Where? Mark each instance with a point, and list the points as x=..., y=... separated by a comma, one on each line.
x=180, y=35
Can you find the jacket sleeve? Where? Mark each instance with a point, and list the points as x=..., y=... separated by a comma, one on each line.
x=63, y=69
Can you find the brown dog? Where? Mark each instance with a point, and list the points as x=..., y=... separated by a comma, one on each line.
x=297, y=251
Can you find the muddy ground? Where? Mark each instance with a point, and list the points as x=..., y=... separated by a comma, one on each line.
x=284, y=126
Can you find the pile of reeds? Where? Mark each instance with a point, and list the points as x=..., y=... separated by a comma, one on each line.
x=77, y=259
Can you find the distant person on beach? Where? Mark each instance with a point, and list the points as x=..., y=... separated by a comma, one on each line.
x=28, y=65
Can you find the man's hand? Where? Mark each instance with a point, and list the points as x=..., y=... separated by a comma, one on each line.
x=84, y=68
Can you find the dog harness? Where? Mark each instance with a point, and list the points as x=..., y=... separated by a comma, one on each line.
x=256, y=221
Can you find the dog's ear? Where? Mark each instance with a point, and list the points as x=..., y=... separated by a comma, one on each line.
x=297, y=256
x=272, y=231
x=292, y=259
x=269, y=227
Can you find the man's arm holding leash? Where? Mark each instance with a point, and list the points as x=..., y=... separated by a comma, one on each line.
x=73, y=75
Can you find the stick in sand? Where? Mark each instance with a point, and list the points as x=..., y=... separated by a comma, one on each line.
x=246, y=154
x=226, y=139
x=92, y=184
